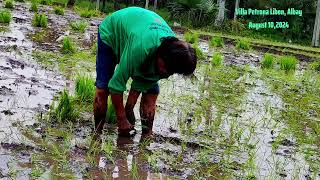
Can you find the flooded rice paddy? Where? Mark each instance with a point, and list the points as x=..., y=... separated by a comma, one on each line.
x=236, y=121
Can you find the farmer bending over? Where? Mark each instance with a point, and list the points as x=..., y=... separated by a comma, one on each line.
x=145, y=49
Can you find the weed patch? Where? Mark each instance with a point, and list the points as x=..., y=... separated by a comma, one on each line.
x=288, y=63
x=191, y=37
x=216, y=59
x=216, y=42
x=79, y=26
x=5, y=17
x=68, y=46
x=40, y=20
x=267, y=61
x=316, y=65
x=243, y=44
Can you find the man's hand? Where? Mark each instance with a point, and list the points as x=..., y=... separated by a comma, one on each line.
x=124, y=127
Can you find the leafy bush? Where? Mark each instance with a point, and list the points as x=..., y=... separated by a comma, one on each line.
x=199, y=53
x=68, y=47
x=40, y=20
x=243, y=44
x=288, y=63
x=85, y=88
x=34, y=6
x=8, y=4
x=58, y=10
x=267, y=61
x=79, y=26
x=5, y=17
x=316, y=65
x=191, y=37
x=217, y=59
x=65, y=111
x=164, y=13
x=216, y=42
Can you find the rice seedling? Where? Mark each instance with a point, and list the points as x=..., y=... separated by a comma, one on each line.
x=216, y=59
x=65, y=111
x=68, y=46
x=316, y=65
x=84, y=88
x=216, y=42
x=111, y=113
x=243, y=44
x=40, y=20
x=199, y=52
x=5, y=17
x=191, y=37
x=58, y=10
x=134, y=171
x=79, y=26
x=108, y=150
x=267, y=61
x=288, y=63
x=34, y=6
x=94, y=48
x=8, y=4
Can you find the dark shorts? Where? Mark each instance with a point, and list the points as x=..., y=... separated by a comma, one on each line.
x=105, y=65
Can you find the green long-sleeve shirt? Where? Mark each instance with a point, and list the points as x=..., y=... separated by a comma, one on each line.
x=134, y=34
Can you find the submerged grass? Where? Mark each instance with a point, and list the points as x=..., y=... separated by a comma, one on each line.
x=216, y=42
x=79, y=26
x=191, y=37
x=5, y=17
x=288, y=63
x=40, y=20
x=267, y=61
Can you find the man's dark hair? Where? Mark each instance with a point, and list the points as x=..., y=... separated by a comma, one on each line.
x=178, y=57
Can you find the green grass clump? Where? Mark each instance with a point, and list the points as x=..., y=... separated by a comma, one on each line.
x=40, y=20
x=85, y=88
x=34, y=6
x=79, y=26
x=191, y=37
x=87, y=13
x=199, y=53
x=68, y=46
x=8, y=4
x=58, y=10
x=288, y=63
x=316, y=65
x=65, y=111
x=5, y=17
x=243, y=44
x=216, y=42
x=267, y=61
x=217, y=59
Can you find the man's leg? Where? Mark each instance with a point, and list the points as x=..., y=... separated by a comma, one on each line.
x=131, y=102
x=148, y=109
x=104, y=68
